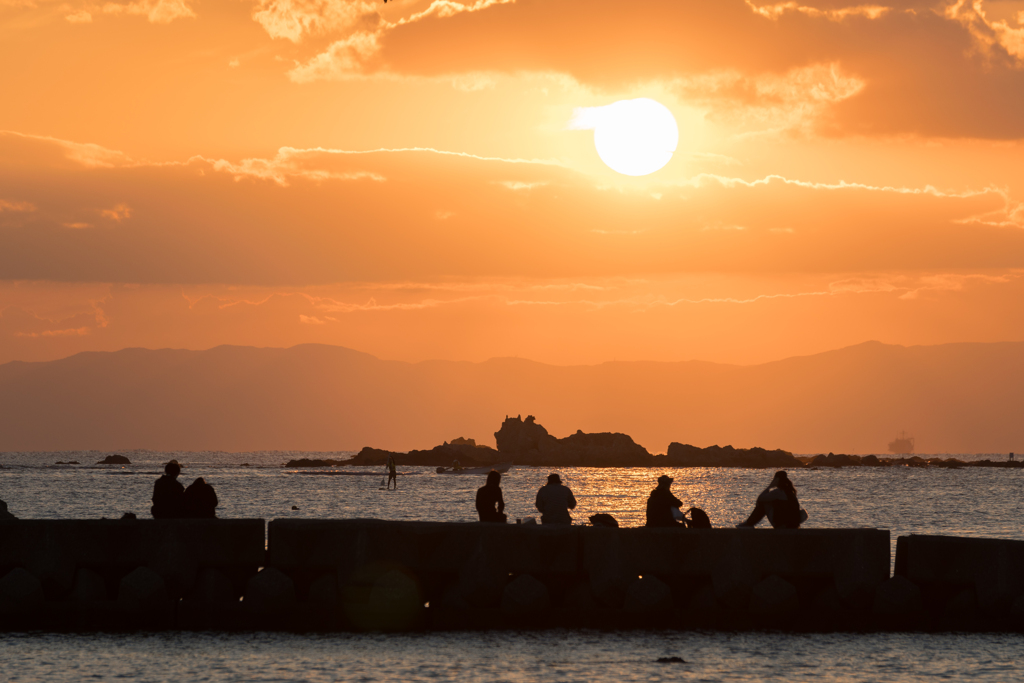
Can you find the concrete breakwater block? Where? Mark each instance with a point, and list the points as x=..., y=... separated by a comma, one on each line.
x=20, y=592
x=525, y=595
x=54, y=549
x=270, y=592
x=648, y=595
x=963, y=605
x=580, y=599
x=467, y=566
x=732, y=583
x=89, y=586
x=176, y=566
x=855, y=560
x=323, y=592
x=897, y=597
x=211, y=585
x=385, y=600
x=430, y=547
x=774, y=597
x=994, y=568
x=142, y=589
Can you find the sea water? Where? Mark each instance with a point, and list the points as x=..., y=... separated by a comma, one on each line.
x=980, y=502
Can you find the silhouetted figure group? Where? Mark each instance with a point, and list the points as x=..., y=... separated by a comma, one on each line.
x=554, y=500
x=665, y=510
x=171, y=500
x=778, y=503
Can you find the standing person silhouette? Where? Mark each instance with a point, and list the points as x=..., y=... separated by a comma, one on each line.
x=554, y=501
x=392, y=474
x=490, y=504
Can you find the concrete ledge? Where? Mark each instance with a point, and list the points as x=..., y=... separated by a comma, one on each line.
x=384, y=575
x=55, y=550
x=958, y=576
x=465, y=570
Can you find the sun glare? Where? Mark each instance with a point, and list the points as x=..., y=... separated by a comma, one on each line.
x=633, y=137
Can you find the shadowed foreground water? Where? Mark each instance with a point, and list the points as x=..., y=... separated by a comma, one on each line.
x=554, y=656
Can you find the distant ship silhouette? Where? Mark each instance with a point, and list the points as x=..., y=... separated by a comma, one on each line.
x=902, y=445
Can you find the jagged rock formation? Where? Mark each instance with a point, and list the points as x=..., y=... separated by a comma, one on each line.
x=527, y=443
x=843, y=460
x=438, y=456
x=684, y=455
x=115, y=460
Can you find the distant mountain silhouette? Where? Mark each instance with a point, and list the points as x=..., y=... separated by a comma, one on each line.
x=953, y=398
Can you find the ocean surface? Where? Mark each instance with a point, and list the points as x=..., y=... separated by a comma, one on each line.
x=979, y=502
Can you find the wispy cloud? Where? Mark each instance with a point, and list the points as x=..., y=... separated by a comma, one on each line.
x=347, y=57
x=156, y=11
x=118, y=213
x=21, y=207
x=776, y=10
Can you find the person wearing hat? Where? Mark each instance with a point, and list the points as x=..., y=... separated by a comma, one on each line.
x=661, y=503
x=554, y=501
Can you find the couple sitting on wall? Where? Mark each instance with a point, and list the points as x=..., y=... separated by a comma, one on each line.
x=778, y=503
x=554, y=500
x=173, y=501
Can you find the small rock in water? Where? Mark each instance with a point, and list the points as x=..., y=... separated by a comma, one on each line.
x=295, y=507
x=244, y=464
x=115, y=460
x=670, y=660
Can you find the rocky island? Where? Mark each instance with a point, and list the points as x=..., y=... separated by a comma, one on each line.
x=527, y=442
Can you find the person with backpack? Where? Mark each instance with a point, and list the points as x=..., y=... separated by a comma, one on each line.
x=661, y=505
x=779, y=504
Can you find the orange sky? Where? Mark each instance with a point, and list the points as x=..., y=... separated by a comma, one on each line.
x=404, y=179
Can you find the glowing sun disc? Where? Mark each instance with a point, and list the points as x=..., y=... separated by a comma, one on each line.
x=635, y=137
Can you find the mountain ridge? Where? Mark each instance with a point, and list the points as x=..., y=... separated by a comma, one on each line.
x=961, y=397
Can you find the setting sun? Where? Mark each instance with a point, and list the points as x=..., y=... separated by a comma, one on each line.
x=633, y=137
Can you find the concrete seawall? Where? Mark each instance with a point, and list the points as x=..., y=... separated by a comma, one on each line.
x=382, y=575
x=122, y=574
x=972, y=582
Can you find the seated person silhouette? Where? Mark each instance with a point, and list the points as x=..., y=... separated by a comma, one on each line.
x=169, y=494
x=660, y=505
x=490, y=504
x=779, y=504
x=554, y=501
x=200, y=500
